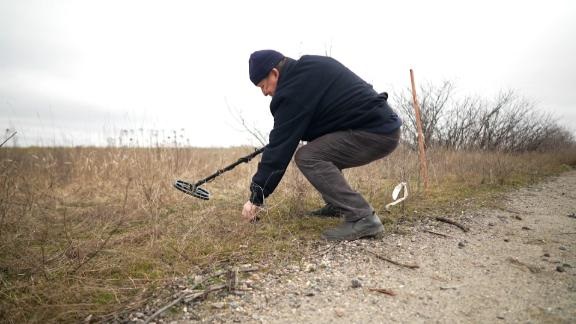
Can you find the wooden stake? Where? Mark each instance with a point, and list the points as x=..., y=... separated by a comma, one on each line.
x=422, y=151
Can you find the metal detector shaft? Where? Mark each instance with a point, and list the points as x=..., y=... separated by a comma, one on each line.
x=244, y=159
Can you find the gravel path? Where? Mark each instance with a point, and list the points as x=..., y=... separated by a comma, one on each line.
x=516, y=264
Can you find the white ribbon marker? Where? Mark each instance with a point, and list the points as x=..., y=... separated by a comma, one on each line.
x=396, y=192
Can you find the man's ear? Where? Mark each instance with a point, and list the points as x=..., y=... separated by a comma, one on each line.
x=275, y=72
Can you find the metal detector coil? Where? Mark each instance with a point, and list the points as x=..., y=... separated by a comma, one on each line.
x=192, y=190
x=195, y=190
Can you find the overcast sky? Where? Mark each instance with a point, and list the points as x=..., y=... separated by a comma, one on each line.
x=77, y=72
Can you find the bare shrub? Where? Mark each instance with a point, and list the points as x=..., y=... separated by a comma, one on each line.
x=507, y=123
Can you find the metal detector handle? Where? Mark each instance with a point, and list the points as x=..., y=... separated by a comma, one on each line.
x=244, y=159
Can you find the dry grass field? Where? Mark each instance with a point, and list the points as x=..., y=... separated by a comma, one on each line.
x=94, y=231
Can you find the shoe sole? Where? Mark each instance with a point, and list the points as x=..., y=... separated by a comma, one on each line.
x=375, y=233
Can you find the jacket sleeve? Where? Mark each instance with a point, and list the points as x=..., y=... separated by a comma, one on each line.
x=291, y=119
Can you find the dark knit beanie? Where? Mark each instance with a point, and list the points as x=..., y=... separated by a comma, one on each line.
x=261, y=63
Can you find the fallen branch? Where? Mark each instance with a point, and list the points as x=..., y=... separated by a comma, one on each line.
x=383, y=291
x=189, y=297
x=163, y=309
x=381, y=257
x=201, y=295
x=449, y=221
x=532, y=268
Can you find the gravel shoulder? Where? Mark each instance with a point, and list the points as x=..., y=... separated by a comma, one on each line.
x=515, y=264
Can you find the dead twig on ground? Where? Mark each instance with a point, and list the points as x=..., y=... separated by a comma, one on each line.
x=324, y=251
x=383, y=291
x=381, y=257
x=532, y=268
x=449, y=221
x=187, y=296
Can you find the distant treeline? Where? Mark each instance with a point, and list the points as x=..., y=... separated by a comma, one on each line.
x=507, y=123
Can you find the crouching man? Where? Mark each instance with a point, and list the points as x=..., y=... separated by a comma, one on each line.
x=346, y=123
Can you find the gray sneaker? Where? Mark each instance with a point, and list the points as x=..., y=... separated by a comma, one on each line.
x=349, y=231
x=326, y=211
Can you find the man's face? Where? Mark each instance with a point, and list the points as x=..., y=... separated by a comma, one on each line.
x=268, y=84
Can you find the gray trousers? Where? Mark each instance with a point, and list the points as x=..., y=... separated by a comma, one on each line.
x=322, y=161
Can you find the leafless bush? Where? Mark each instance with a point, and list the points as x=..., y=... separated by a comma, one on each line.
x=507, y=123
x=433, y=103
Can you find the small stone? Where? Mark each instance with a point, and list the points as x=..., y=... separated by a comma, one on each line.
x=309, y=294
x=491, y=224
x=356, y=283
x=139, y=315
x=218, y=305
x=339, y=312
x=526, y=228
x=563, y=248
x=547, y=255
x=506, y=240
x=566, y=265
x=310, y=267
x=560, y=268
x=461, y=245
x=234, y=305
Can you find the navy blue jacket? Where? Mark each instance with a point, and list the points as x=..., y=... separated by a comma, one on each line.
x=316, y=95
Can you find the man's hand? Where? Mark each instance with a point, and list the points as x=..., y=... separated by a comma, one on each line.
x=249, y=212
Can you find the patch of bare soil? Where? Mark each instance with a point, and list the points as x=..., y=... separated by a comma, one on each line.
x=515, y=264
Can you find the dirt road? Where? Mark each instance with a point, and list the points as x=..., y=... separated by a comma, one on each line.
x=515, y=264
